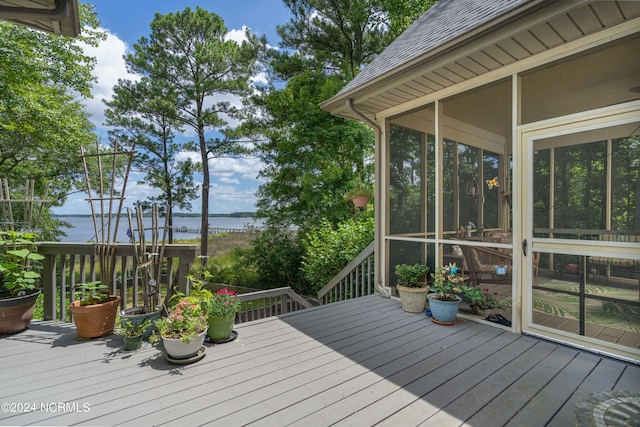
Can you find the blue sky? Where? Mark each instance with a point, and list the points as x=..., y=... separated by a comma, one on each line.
x=234, y=181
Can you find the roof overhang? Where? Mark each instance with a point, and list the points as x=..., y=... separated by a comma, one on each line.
x=526, y=31
x=52, y=16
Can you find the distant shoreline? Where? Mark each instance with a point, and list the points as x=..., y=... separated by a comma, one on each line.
x=175, y=215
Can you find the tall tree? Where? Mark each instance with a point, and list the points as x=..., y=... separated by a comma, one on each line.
x=310, y=156
x=344, y=35
x=43, y=80
x=189, y=51
x=143, y=113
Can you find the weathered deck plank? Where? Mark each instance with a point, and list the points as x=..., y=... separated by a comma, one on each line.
x=358, y=362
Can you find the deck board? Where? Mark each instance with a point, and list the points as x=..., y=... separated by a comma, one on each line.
x=358, y=362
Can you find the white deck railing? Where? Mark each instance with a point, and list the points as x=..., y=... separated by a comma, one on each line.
x=69, y=264
x=355, y=280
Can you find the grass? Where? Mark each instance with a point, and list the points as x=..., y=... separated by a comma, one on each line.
x=223, y=243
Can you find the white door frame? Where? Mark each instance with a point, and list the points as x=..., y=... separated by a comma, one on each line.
x=527, y=135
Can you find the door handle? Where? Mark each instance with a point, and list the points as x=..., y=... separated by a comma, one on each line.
x=524, y=247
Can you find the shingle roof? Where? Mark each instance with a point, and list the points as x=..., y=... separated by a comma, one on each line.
x=442, y=23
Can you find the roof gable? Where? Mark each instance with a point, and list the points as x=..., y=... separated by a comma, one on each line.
x=443, y=22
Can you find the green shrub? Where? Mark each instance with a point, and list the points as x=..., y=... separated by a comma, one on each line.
x=232, y=268
x=276, y=256
x=329, y=248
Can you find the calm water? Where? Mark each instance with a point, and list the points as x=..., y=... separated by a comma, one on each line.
x=83, y=229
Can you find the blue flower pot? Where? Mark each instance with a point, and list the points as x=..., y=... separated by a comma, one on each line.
x=443, y=312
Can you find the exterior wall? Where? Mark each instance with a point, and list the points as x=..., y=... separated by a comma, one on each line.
x=596, y=59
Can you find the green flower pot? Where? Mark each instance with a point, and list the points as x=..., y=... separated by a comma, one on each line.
x=220, y=327
x=132, y=343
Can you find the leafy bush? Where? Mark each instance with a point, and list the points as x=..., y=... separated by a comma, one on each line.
x=330, y=248
x=412, y=275
x=276, y=255
x=232, y=268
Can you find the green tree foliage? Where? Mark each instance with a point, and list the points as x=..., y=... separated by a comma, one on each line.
x=330, y=248
x=188, y=51
x=276, y=254
x=142, y=113
x=310, y=156
x=344, y=35
x=402, y=13
x=341, y=35
x=43, y=80
x=313, y=158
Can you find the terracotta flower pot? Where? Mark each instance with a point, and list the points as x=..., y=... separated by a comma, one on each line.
x=96, y=320
x=360, y=201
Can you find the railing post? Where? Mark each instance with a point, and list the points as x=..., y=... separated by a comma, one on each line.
x=49, y=286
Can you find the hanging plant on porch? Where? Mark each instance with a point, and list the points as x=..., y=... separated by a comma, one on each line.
x=360, y=194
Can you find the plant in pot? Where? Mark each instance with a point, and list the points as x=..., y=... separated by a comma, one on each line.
x=150, y=310
x=221, y=308
x=94, y=312
x=132, y=333
x=18, y=280
x=448, y=291
x=360, y=194
x=183, y=331
x=412, y=287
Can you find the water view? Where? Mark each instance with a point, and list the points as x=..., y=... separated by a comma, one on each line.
x=82, y=229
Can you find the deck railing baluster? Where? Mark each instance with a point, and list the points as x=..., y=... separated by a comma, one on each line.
x=58, y=273
x=351, y=281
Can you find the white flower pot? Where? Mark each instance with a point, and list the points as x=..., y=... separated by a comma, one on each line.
x=178, y=349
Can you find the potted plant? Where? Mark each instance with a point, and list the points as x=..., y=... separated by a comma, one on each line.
x=360, y=194
x=94, y=312
x=132, y=333
x=481, y=300
x=412, y=287
x=184, y=329
x=221, y=309
x=151, y=310
x=447, y=293
x=18, y=293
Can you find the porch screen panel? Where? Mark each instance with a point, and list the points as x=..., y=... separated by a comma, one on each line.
x=586, y=186
x=406, y=181
x=625, y=211
x=493, y=192
x=579, y=298
x=449, y=190
x=469, y=185
x=570, y=194
x=404, y=252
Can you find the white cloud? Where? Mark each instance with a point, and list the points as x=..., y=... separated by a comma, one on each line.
x=247, y=168
x=237, y=36
x=109, y=68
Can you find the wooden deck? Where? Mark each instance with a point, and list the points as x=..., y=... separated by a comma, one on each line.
x=359, y=362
